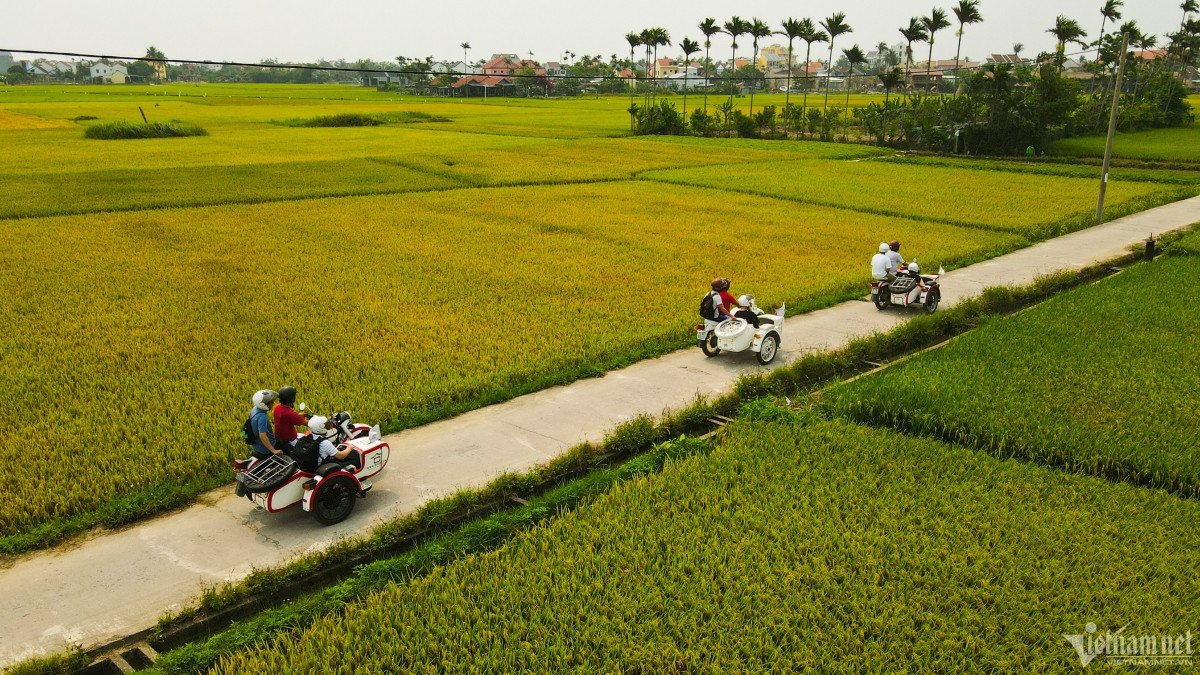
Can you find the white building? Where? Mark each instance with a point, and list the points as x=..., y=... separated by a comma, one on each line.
x=102, y=71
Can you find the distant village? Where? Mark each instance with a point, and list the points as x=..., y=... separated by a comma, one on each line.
x=510, y=74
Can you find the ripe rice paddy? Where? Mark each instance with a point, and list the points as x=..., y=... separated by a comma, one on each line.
x=403, y=271
x=798, y=546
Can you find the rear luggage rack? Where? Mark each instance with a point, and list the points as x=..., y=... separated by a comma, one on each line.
x=903, y=284
x=268, y=474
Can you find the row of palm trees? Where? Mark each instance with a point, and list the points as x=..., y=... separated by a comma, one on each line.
x=920, y=29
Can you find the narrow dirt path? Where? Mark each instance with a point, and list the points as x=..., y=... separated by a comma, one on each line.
x=115, y=584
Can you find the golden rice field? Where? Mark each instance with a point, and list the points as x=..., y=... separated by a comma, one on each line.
x=404, y=272
x=823, y=547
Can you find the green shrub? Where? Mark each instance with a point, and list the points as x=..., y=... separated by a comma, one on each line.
x=364, y=119
x=109, y=131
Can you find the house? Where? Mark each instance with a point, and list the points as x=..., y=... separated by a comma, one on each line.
x=498, y=77
x=774, y=56
x=926, y=78
x=555, y=69
x=688, y=77
x=108, y=73
x=381, y=78
x=48, y=69
x=1150, y=54
x=664, y=68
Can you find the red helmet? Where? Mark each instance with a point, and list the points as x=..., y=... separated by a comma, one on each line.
x=721, y=284
x=895, y=245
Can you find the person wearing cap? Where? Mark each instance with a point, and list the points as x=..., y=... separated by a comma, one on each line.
x=728, y=302
x=260, y=424
x=894, y=255
x=286, y=418
x=881, y=264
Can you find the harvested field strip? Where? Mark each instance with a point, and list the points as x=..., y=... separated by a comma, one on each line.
x=794, y=545
x=1102, y=380
x=417, y=169
x=434, y=303
x=1035, y=206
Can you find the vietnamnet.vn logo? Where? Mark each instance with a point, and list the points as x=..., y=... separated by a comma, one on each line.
x=1119, y=648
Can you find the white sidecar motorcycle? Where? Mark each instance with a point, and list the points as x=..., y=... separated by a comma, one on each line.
x=277, y=483
x=738, y=335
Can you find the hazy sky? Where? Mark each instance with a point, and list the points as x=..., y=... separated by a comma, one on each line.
x=304, y=30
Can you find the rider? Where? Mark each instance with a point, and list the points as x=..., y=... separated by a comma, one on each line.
x=287, y=419
x=321, y=428
x=722, y=301
x=744, y=312
x=881, y=264
x=260, y=424
x=894, y=255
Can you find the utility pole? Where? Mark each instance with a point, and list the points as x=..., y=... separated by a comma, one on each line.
x=1112, y=129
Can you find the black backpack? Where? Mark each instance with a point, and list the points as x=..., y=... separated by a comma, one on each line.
x=708, y=309
x=248, y=435
x=307, y=452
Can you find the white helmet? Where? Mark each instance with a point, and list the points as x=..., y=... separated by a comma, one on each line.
x=746, y=301
x=264, y=398
x=914, y=268
x=320, y=427
x=884, y=248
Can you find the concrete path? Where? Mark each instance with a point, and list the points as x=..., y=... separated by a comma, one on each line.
x=118, y=583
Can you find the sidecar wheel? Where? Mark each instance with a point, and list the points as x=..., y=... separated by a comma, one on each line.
x=768, y=349
x=931, y=301
x=334, y=500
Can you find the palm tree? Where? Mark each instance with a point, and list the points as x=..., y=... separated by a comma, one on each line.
x=758, y=29
x=465, y=46
x=792, y=29
x=634, y=40
x=914, y=33
x=659, y=38
x=1018, y=47
x=834, y=26
x=933, y=23
x=1111, y=11
x=855, y=56
x=710, y=28
x=157, y=60
x=1066, y=30
x=967, y=12
x=689, y=47
x=890, y=79
x=1188, y=7
x=648, y=42
x=809, y=34
x=736, y=28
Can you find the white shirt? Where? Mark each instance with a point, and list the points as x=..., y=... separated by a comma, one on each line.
x=896, y=261
x=326, y=450
x=880, y=265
